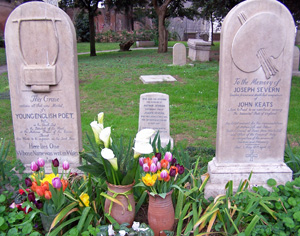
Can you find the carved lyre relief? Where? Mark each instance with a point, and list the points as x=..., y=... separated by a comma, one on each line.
x=262, y=47
x=39, y=70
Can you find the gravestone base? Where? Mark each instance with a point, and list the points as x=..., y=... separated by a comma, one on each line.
x=199, y=50
x=221, y=173
x=296, y=73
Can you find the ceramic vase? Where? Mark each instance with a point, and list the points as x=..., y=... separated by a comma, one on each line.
x=124, y=194
x=161, y=215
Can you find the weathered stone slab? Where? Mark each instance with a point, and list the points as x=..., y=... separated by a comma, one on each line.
x=179, y=54
x=140, y=44
x=43, y=79
x=297, y=41
x=199, y=50
x=257, y=43
x=154, y=114
x=152, y=79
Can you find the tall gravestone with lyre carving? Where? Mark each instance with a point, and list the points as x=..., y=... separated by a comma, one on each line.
x=257, y=43
x=43, y=79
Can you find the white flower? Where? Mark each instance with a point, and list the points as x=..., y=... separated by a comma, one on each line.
x=144, y=134
x=109, y=155
x=97, y=128
x=135, y=226
x=111, y=230
x=122, y=232
x=105, y=136
x=142, y=142
x=100, y=118
x=143, y=229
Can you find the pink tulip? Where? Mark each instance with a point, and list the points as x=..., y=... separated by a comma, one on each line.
x=168, y=156
x=141, y=161
x=56, y=182
x=158, y=165
x=41, y=162
x=34, y=166
x=146, y=167
x=163, y=174
x=65, y=165
x=154, y=160
x=153, y=168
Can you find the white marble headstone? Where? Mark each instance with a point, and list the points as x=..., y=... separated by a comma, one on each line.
x=257, y=43
x=43, y=80
x=179, y=54
x=154, y=114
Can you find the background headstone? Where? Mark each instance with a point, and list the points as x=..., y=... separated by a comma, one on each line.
x=257, y=43
x=154, y=114
x=199, y=50
x=153, y=79
x=297, y=41
x=296, y=58
x=43, y=79
x=179, y=54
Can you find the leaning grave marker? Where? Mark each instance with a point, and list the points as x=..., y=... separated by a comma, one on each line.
x=42, y=70
x=257, y=43
x=154, y=114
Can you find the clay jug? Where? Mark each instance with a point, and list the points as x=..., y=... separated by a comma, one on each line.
x=161, y=213
x=124, y=194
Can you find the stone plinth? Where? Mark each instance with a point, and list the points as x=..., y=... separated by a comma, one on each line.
x=199, y=50
x=296, y=58
x=297, y=41
x=257, y=45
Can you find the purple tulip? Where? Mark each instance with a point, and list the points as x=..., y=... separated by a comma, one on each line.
x=31, y=197
x=38, y=204
x=28, y=182
x=158, y=155
x=34, y=166
x=168, y=156
x=56, y=182
x=55, y=162
x=172, y=172
x=153, y=168
x=163, y=174
x=173, y=162
x=141, y=161
x=146, y=167
x=158, y=165
x=65, y=165
x=154, y=160
x=41, y=162
x=180, y=169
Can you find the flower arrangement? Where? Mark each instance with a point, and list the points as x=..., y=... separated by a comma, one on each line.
x=159, y=175
x=46, y=190
x=110, y=162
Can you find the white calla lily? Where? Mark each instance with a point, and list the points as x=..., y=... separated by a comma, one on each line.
x=105, y=136
x=144, y=134
x=109, y=155
x=100, y=118
x=142, y=148
x=97, y=128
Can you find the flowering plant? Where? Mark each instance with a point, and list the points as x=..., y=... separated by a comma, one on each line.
x=46, y=190
x=159, y=175
x=114, y=163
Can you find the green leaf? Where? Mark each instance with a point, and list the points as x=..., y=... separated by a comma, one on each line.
x=2, y=198
x=83, y=218
x=292, y=201
x=271, y=182
x=251, y=226
x=27, y=229
x=61, y=226
x=288, y=222
x=2, y=221
x=296, y=215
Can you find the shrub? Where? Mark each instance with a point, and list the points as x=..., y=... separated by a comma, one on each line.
x=82, y=27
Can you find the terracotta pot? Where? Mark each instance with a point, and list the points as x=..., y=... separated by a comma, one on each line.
x=161, y=213
x=117, y=211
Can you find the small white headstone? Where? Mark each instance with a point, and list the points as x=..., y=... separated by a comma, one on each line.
x=154, y=114
x=296, y=58
x=179, y=54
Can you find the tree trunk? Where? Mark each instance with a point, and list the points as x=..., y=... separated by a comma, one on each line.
x=92, y=34
x=212, y=29
x=162, y=34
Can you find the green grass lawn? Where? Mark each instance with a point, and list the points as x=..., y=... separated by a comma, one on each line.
x=2, y=57
x=110, y=83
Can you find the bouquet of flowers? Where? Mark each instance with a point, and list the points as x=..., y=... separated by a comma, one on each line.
x=115, y=163
x=159, y=175
x=46, y=190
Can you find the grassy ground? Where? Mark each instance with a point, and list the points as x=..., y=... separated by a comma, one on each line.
x=110, y=83
x=2, y=57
